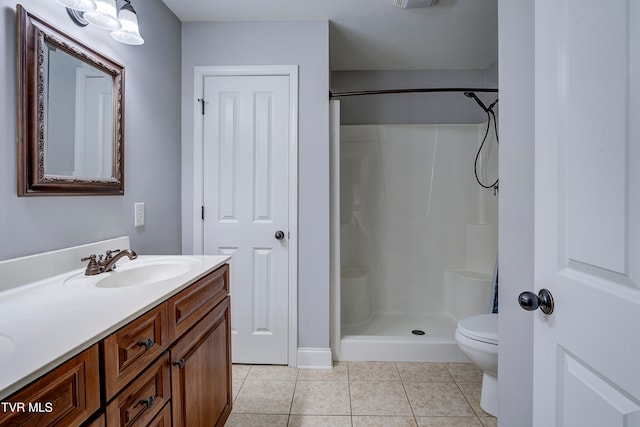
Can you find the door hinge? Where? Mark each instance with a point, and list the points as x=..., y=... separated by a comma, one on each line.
x=202, y=212
x=201, y=101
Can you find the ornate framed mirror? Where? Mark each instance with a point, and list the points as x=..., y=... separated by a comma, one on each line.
x=70, y=113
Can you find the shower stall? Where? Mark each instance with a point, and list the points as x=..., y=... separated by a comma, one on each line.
x=414, y=237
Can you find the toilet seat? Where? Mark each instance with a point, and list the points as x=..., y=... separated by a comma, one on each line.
x=483, y=328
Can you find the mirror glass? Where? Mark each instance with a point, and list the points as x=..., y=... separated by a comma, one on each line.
x=78, y=117
x=70, y=112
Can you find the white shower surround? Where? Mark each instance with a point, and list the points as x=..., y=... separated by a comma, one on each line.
x=414, y=218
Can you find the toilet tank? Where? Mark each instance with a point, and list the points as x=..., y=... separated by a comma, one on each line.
x=466, y=293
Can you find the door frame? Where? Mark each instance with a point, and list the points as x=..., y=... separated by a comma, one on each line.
x=290, y=71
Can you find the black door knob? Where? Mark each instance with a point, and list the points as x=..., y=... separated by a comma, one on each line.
x=530, y=301
x=279, y=235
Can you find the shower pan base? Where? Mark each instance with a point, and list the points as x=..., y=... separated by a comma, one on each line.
x=389, y=337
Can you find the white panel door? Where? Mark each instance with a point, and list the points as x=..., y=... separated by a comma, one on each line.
x=587, y=213
x=245, y=199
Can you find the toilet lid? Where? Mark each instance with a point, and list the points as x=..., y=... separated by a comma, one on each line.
x=482, y=328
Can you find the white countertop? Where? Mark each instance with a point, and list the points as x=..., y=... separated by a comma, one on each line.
x=46, y=322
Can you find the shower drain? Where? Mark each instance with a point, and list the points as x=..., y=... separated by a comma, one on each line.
x=418, y=332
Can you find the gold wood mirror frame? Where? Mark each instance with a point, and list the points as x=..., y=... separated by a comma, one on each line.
x=39, y=46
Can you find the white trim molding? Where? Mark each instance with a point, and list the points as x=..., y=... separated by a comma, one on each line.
x=291, y=71
x=314, y=358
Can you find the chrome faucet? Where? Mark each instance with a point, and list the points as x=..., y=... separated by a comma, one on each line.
x=98, y=265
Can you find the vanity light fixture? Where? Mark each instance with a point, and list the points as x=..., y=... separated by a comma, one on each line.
x=129, y=33
x=102, y=13
x=104, y=16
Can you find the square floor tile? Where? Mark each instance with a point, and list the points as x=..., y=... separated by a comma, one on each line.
x=378, y=398
x=383, y=421
x=265, y=397
x=240, y=371
x=272, y=372
x=256, y=420
x=472, y=392
x=338, y=372
x=465, y=372
x=424, y=372
x=373, y=371
x=319, y=421
x=236, y=385
x=321, y=398
x=431, y=399
x=489, y=421
x=448, y=422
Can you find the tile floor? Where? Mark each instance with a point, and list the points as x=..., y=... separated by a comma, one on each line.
x=359, y=394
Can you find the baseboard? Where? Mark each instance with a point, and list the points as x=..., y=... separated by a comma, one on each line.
x=314, y=358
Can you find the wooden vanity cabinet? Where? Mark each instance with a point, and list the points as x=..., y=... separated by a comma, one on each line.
x=66, y=396
x=201, y=372
x=169, y=367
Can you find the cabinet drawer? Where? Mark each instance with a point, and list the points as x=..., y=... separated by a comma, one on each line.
x=132, y=348
x=163, y=419
x=187, y=307
x=67, y=396
x=138, y=403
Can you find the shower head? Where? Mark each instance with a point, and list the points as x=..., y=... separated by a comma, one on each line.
x=473, y=96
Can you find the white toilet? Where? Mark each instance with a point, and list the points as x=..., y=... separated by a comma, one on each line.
x=477, y=337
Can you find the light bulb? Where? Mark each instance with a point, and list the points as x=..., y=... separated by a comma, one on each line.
x=104, y=16
x=130, y=32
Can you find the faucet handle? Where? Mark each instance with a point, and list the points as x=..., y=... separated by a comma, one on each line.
x=93, y=267
x=110, y=253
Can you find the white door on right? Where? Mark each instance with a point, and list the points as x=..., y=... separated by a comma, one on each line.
x=587, y=213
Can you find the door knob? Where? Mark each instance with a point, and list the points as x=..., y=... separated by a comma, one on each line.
x=530, y=301
x=279, y=235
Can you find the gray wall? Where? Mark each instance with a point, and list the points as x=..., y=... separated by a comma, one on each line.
x=413, y=108
x=276, y=43
x=152, y=143
x=515, y=357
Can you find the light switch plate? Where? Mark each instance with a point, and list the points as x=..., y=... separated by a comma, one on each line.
x=139, y=214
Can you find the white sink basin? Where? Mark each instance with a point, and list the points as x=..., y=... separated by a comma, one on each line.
x=136, y=273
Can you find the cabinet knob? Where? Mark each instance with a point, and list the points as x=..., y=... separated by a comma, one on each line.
x=147, y=344
x=148, y=402
x=179, y=363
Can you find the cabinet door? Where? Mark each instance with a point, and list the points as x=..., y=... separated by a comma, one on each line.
x=201, y=372
x=66, y=396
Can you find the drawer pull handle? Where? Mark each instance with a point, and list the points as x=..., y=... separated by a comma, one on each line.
x=146, y=344
x=179, y=363
x=148, y=402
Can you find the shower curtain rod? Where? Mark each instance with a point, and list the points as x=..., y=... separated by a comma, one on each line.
x=422, y=90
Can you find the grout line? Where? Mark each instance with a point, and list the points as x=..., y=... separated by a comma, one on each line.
x=405, y=393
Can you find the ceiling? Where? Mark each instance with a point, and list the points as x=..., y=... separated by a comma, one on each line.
x=373, y=34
